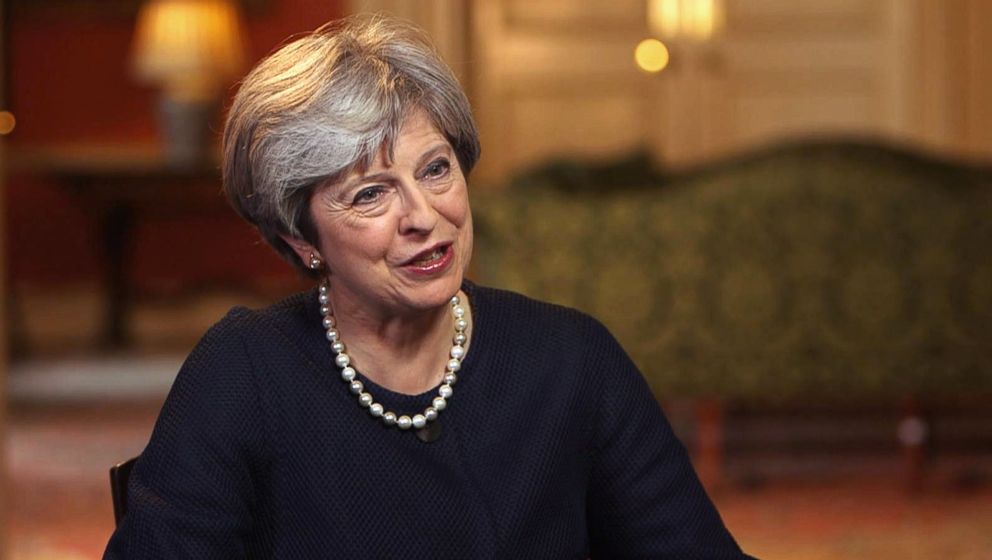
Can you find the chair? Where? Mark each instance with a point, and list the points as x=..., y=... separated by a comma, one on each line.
x=119, y=474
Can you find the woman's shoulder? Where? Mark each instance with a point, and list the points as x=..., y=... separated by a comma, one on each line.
x=496, y=307
x=288, y=315
x=258, y=332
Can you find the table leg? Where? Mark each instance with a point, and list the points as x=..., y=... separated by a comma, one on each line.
x=117, y=229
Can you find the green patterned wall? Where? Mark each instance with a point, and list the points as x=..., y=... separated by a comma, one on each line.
x=826, y=269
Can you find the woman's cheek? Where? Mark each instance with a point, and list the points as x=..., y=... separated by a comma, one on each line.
x=460, y=211
x=468, y=239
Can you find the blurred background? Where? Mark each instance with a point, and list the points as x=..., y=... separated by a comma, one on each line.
x=780, y=207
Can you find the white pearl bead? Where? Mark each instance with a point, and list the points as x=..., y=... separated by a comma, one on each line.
x=365, y=399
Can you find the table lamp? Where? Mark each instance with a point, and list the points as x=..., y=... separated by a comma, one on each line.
x=190, y=48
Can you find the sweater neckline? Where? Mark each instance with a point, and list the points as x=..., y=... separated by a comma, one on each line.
x=404, y=403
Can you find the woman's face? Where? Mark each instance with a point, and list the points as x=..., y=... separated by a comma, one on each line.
x=397, y=237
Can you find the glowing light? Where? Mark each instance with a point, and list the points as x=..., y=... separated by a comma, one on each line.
x=695, y=20
x=7, y=122
x=191, y=46
x=651, y=55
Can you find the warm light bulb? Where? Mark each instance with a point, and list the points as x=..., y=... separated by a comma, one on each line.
x=651, y=55
x=7, y=123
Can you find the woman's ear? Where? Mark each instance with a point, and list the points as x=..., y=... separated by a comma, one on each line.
x=304, y=250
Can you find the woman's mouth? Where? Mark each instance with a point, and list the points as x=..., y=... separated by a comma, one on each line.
x=429, y=258
x=431, y=261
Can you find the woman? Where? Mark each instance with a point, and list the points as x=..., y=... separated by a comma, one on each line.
x=397, y=410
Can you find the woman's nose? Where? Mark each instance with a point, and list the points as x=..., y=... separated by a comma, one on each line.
x=419, y=215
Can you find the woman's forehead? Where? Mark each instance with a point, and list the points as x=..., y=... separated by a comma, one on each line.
x=417, y=135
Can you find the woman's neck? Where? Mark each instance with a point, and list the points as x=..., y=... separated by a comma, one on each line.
x=405, y=354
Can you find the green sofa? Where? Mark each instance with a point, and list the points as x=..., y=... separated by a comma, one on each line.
x=822, y=269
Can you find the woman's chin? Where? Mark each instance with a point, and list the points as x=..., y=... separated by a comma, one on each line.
x=432, y=295
x=430, y=291
x=438, y=294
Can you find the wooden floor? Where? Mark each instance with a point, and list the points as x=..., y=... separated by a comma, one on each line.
x=58, y=455
x=57, y=475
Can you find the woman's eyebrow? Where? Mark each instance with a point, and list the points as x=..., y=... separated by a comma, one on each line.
x=440, y=147
x=372, y=178
x=354, y=181
x=380, y=176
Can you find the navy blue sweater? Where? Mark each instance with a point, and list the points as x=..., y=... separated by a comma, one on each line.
x=552, y=447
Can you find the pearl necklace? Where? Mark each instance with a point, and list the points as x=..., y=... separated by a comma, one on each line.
x=365, y=399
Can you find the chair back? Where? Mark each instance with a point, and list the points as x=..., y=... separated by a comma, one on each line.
x=119, y=475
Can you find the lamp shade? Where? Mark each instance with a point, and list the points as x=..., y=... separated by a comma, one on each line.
x=188, y=46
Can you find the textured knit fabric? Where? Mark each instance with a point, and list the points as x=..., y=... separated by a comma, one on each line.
x=552, y=447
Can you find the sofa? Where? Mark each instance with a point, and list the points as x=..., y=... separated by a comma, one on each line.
x=810, y=271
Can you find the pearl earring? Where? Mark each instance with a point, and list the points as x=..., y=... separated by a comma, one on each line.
x=315, y=262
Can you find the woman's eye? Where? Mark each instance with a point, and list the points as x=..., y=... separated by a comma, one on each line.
x=368, y=195
x=437, y=169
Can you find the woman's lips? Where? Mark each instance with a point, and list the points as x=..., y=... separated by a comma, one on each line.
x=431, y=261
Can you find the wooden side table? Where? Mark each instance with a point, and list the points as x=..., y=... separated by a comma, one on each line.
x=121, y=186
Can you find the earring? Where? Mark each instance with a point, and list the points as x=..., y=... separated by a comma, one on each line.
x=315, y=262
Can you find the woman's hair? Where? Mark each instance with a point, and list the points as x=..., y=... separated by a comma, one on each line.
x=325, y=105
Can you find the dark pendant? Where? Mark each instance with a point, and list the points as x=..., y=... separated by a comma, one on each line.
x=429, y=433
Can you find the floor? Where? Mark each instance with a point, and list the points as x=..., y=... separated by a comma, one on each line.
x=62, y=439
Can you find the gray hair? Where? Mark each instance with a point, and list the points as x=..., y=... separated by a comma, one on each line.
x=325, y=105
